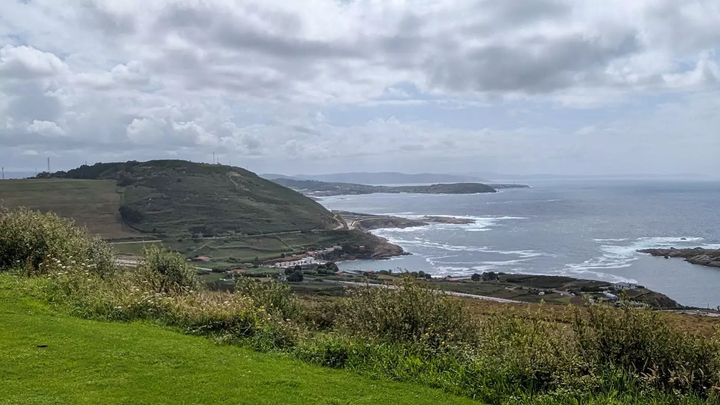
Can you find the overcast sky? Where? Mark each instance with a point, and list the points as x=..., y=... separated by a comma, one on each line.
x=317, y=86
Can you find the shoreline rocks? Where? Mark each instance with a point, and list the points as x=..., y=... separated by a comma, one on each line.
x=699, y=256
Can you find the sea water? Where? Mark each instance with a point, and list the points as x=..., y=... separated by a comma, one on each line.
x=583, y=229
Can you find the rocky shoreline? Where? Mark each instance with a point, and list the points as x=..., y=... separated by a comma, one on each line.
x=699, y=256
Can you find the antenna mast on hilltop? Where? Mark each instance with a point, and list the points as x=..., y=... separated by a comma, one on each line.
x=3, y=173
x=48, y=165
x=213, y=157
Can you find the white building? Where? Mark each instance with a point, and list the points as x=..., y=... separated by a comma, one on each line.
x=624, y=286
x=305, y=261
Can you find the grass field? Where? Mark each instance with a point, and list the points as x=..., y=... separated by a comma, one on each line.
x=92, y=203
x=89, y=362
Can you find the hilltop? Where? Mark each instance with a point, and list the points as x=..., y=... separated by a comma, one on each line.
x=320, y=188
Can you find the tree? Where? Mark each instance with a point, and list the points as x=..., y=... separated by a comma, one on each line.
x=332, y=267
x=475, y=277
x=298, y=267
x=296, y=276
x=289, y=271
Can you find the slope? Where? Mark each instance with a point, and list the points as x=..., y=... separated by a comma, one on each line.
x=93, y=204
x=178, y=198
x=89, y=362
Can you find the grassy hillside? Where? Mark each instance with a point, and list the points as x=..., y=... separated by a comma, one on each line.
x=224, y=212
x=174, y=197
x=143, y=364
x=93, y=204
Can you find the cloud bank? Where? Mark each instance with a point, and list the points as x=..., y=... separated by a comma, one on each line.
x=327, y=85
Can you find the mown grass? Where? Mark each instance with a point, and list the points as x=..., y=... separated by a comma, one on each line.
x=410, y=333
x=91, y=362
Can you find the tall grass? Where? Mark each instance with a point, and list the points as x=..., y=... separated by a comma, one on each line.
x=45, y=243
x=408, y=333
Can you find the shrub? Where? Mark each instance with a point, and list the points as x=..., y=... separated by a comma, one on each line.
x=296, y=276
x=407, y=313
x=45, y=243
x=642, y=343
x=166, y=272
x=272, y=296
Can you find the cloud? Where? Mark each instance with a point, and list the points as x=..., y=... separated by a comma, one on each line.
x=421, y=80
x=24, y=62
x=45, y=128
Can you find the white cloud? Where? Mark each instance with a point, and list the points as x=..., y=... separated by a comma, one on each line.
x=45, y=128
x=23, y=62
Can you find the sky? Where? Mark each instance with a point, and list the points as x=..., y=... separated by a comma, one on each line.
x=580, y=87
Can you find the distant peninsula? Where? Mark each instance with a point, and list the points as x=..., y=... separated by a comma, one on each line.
x=700, y=256
x=382, y=178
x=370, y=222
x=324, y=189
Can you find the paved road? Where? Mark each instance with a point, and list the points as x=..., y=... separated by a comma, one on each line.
x=457, y=294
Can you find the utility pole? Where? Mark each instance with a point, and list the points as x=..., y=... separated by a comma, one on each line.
x=48, y=164
x=213, y=157
x=3, y=173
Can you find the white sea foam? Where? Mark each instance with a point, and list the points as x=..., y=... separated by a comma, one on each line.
x=621, y=253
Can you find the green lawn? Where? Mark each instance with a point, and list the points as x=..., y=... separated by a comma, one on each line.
x=91, y=362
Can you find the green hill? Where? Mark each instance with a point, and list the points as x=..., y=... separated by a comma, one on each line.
x=226, y=213
x=175, y=198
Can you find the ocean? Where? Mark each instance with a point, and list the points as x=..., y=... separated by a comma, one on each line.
x=582, y=229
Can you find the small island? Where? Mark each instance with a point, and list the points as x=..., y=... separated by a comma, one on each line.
x=698, y=255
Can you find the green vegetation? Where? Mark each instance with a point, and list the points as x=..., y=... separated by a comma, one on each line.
x=179, y=198
x=90, y=362
x=45, y=243
x=92, y=204
x=407, y=333
x=223, y=212
x=327, y=189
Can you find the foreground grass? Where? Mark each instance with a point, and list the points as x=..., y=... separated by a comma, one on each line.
x=97, y=362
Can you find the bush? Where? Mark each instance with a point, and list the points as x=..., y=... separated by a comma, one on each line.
x=296, y=276
x=45, y=243
x=166, y=272
x=642, y=343
x=273, y=297
x=409, y=313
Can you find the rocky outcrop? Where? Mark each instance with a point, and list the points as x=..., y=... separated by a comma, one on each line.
x=386, y=250
x=449, y=220
x=703, y=257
